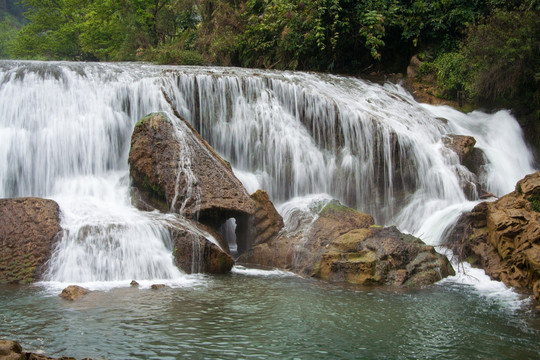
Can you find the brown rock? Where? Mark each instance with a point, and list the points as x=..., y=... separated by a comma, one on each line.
x=266, y=221
x=383, y=256
x=73, y=292
x=29, y=229
x=470, y=157
x=414, y=66
x=176, y=170
x=503, y=237
x=157, y=286
x=342, y=245
x=462, y=145
x=11, y=350
x=194, y=253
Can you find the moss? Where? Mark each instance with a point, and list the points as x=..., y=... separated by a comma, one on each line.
x=535, y=202
x=351, y=240
x=411, y=239
x=154, y=189
x=143, y=120
x=150, y=117
x=519, y=189
x=361, y=257
x=335, y=206
x=316, y=273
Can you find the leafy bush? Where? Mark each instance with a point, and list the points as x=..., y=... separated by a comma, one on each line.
x=8, y=30
x=454, y=76
x=172, y=56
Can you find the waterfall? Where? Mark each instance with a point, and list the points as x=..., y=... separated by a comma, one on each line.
x=65, y=132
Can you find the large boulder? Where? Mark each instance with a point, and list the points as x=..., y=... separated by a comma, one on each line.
x=198, y=249
x=29, y=229
x=174, y=170
x=503, y=237
x=341, y=244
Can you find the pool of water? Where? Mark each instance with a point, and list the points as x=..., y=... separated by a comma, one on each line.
x=270, y=315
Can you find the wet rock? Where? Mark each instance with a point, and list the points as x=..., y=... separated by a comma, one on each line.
x=29, y=229
x=198, y=249
x=11, y=350
x=134, y=283
x=157, y=286
x=343, y=245
x=174, y=170
x=469, y=156
x=503, y=237
x=462, y=145
x=73, y=292
x=266, y=222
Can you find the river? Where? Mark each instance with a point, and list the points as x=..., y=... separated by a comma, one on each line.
x=65, y=131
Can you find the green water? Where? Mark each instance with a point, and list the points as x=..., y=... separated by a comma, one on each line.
x=238, y=316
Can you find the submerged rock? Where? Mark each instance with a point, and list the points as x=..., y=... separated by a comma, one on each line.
x=29, y=229
x=503, y=237
x=73, y=292
x=343, y=245
x=174, y=170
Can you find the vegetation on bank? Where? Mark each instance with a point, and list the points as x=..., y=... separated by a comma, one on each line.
x=483, y=51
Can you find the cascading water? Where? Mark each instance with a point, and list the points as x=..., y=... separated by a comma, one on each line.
x=65, y=132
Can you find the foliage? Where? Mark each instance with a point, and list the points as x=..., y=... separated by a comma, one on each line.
x=506, y=51
x=454, y=74
x=167, y=55
x=100, y=30
x=219, y=30
x=9, y=26
x=535, y=202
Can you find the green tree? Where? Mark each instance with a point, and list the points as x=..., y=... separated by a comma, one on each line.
x=53, y=30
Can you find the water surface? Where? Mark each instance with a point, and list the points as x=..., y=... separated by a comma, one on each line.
x=271, y=316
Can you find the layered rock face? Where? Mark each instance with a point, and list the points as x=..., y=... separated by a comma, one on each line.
x=264, y=225
x=342, y=245
x=29, y=229
x=503, y=237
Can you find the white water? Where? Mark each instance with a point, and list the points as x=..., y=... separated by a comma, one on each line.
x=65, y=130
